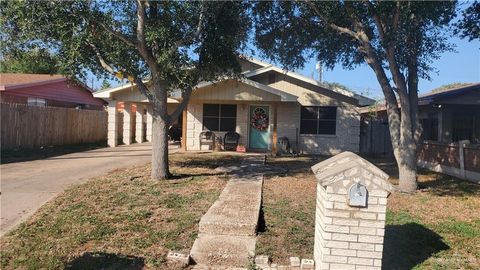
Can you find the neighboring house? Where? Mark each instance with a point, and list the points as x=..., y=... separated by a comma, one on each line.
x=267, y=104
x=450, y=140
x=446, y=116
x=47, y=90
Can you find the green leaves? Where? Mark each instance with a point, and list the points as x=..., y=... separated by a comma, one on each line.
x=469, y=25
x=83, y=31
x=290, y=33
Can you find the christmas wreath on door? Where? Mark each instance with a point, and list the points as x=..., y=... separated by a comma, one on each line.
x=259, y=119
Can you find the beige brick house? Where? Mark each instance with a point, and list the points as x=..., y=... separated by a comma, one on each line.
x=266, y=104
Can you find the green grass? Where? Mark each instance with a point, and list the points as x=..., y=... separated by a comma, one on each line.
x=113, y=222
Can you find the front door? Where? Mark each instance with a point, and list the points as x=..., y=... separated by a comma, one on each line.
x=259, y=127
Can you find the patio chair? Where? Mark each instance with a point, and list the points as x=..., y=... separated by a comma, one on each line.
x=230, y=141
x=284, y=146
x=207, y=138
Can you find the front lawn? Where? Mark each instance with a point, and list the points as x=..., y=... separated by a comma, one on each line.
x=436, y=228
x=122, y=220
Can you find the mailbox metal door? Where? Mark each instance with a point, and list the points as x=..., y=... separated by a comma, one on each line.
x=357, y=195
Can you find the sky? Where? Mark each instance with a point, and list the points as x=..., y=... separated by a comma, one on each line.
x=460, y=66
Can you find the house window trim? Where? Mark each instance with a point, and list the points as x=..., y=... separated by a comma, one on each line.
x=36, y=102
x=220, y=117
x=318, y=120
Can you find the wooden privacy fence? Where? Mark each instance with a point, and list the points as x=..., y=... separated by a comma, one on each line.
x=25, y=126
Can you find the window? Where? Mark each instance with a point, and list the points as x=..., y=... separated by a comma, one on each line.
x=465, y=126
x=219, y=117
x=36, y=102
x=430, y=127
x=318, y=120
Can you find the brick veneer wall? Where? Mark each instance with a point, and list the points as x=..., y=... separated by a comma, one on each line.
x=349, y=237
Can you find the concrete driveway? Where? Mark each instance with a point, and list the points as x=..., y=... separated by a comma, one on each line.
x=26, y=186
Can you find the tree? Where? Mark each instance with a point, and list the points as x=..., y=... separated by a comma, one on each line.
x=38, y=60
x=469, y=25
x=171, y=44
x=105, y=85
x=396, y=39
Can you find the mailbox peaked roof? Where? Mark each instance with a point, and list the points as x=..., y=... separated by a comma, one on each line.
x=327, y=170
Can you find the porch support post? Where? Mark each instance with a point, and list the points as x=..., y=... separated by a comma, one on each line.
x=112, y=127
x=149, y=122
x=139, y=124
x=184, y=130
x=274, y=135
x=127, y=123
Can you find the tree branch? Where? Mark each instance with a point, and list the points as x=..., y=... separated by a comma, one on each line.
x=342, y=30
x=181, y=42
x=144, y=89
x=141, y=86
x=186, y=94
x=374, y=62
x=100, y=59
x=118, y=35
x=142, y=45
x=141, y=23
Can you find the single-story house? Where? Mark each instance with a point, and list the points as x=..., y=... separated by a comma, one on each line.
x=450, y=141
x=47, y=90
x=267, y=103
x=446, y=116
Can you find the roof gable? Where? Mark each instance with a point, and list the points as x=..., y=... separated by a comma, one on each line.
x=243, y=89
x=253, y=67
x=361, y=100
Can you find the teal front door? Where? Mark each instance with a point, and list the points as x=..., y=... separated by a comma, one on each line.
x=259, y=127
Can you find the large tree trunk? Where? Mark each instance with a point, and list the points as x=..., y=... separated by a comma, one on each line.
x=407, y=173
x=160, y=169
x=160, y=125
x=406, y=156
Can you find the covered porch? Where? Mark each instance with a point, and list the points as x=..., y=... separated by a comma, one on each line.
x=250, y=109
x=220, y=107
x=130, y=115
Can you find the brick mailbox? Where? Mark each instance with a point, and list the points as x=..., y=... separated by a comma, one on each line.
x=350, y=213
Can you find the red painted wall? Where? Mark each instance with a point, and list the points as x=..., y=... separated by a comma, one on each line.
x=57, y=93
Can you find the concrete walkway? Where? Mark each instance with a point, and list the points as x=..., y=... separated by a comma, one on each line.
x=227, y=231
x=26, y=186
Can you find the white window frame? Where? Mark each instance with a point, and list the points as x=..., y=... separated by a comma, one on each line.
x=39, y=102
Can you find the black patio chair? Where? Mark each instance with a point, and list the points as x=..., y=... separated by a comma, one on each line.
x=285, y=147
x=207, y=138
x=230, y=141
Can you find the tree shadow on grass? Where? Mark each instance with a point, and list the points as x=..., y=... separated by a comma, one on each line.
x=445, y=185
x=101, y=260
x=408, y=245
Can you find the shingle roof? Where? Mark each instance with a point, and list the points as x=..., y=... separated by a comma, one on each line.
x=465, y=87
x=21, y=78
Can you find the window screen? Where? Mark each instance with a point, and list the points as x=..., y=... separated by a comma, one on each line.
x=219, y=117
x=318, y=120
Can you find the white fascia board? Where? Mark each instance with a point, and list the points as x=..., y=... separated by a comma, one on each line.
x=255, y=61
x=107, y=93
